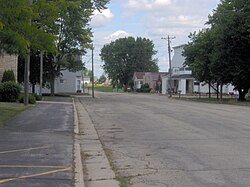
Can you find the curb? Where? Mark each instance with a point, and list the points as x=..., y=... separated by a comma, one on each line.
x=78, y=169
x=99, y=172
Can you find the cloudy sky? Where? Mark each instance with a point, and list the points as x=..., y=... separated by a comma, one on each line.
x=152, y=19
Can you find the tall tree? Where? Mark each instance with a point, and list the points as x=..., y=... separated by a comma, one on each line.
x=20, y=32
x=221, y=53
x=124, y=56
x=74, y=35
x=198, y=55
x=57, y=26
x=232, y=20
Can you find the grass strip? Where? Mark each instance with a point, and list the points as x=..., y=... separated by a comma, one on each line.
x=101, y=88
x=8, y=110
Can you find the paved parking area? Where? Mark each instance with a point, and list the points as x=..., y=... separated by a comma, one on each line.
x=36, y=147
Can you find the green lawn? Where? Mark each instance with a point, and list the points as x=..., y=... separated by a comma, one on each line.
x=8, y=110
x=102, y=88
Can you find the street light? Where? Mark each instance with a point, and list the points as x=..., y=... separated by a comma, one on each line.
x=170, y=65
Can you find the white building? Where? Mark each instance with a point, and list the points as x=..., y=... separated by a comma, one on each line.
x=138, y=79
x=182, y=80
x=8, y=62
x=68, y=82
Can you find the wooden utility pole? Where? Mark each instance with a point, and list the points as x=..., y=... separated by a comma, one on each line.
x=41, y=73
x=93, y=92
x=170, y=63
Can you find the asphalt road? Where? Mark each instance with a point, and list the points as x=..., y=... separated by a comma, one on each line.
x=36, y=147
x=161, y=142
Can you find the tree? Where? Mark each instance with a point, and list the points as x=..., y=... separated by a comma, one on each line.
x=74, y=35
x=198, y=55
x=102, y=79
x=34, y=69
x=124, y=56
x=87, y=72
x=232, y=19
x=20, y=32
x=59, y=27
x=221, y=53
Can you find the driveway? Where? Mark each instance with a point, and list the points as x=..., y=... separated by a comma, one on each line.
x=164, y=142
x=36, y=147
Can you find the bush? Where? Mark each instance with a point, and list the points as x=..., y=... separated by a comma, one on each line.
x=38, y=97
x=8, y=75
x=146, y=85
x=145, y=88
x=32, y=99
x=9, y=91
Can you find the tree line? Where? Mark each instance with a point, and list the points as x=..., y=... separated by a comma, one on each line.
x=59, y=28
x=221, y=53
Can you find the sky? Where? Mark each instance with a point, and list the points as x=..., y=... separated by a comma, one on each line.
x=152, y=19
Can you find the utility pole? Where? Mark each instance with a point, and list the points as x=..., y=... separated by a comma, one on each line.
x=27, y=70
x=170, y=63
x=41, y=73
x=93, y=93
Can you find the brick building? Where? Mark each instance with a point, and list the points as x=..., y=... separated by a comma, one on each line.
x=8, y=62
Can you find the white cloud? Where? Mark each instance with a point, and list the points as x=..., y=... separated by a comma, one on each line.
x=116, y=35
x=147, y=4
x=171, y=17
x=101, y=18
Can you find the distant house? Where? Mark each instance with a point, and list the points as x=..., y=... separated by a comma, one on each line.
x=8, y=62
x=138, y=79
x=150, y=78
x=182, y=79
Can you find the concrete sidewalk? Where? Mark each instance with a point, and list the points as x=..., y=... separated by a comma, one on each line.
x=96, y=167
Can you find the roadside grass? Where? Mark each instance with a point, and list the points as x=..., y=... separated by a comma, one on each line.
x=103, y=88
x=123, y=180
x=9, y=110
x=57, y=97
x=230, y=101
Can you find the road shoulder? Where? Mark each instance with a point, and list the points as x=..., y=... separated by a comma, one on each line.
x=97, y=170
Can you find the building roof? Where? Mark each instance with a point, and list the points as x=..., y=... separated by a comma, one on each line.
x=155, y=75
x=139, y=75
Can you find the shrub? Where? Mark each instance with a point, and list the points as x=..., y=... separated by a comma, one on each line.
x=146, y=85
x=38, y=97
x=9, y=91
x=8, y=75
x=145, y=88
x=32, y=99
